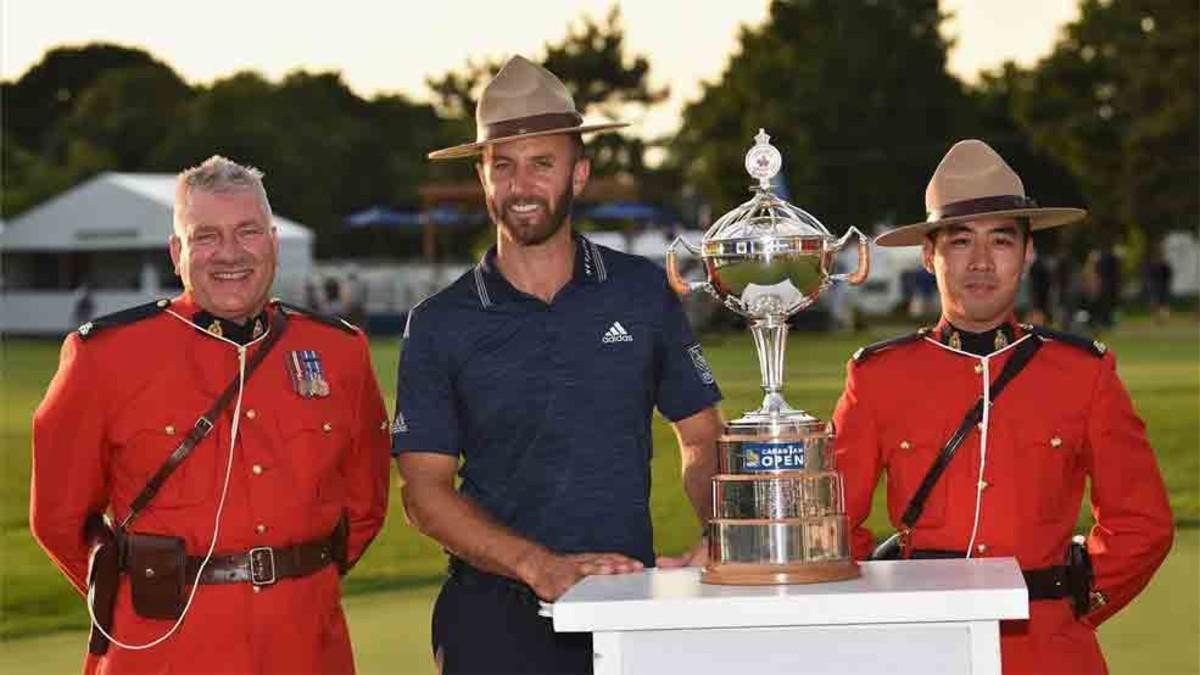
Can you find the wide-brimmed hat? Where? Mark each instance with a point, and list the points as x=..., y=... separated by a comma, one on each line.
x=524, y=100
x=974, y=182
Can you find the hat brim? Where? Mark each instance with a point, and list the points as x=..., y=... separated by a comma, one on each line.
x=470, y=149
x=1039, y=219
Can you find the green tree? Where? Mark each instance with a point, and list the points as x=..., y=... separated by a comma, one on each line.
x=326, y=152
x=856, y=95
x=1116, y=102
x=46, y=93
x=125, y=112
x=48, y=146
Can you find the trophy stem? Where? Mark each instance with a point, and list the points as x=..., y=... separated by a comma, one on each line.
x=770, y=340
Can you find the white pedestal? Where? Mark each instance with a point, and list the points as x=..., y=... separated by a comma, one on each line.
x=928, y=616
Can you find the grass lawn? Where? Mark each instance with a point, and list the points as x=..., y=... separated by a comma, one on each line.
x=391, y=589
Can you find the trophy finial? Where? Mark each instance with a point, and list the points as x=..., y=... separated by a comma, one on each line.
x=763, y=160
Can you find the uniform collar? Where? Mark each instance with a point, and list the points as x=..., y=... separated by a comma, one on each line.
x=979, y=344
x=242, y=334
x=492, y=288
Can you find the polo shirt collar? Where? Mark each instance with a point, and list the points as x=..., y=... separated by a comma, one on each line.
x=492, y=288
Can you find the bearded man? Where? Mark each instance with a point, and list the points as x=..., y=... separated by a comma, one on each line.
x=540, y=368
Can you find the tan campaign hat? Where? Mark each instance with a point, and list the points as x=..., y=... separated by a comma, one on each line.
x=524, y=100
x=974, y=182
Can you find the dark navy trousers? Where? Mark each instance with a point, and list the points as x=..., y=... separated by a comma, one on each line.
x=487, y=624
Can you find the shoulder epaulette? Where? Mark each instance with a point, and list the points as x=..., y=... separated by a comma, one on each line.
x=335, y=322
x=1093, y=347
x=864, y=352
x=123, y=317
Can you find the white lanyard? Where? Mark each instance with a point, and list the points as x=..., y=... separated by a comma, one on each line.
x=233, y=434
x=986, y=381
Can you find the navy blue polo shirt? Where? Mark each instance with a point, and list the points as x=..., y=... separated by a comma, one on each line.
x=550, y=404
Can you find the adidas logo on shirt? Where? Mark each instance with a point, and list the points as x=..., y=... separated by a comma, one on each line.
x=616, y=333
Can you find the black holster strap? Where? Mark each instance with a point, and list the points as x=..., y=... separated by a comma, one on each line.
x=1047, y=583
x=265, y=565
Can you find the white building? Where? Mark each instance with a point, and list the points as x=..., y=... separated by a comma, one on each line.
x=111, y=234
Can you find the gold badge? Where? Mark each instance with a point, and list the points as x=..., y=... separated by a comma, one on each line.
x=214, y=328
x=955, y=340
x=1001, y=340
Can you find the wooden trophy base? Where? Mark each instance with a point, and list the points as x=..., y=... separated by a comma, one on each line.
x=764, y=574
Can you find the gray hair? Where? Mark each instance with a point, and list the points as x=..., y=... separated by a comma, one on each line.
x=218, y=174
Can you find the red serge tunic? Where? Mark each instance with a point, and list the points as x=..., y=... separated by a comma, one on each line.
x=1066, y=419
x=122, y=400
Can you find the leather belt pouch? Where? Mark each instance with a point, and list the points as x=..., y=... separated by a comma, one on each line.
x=157, y=566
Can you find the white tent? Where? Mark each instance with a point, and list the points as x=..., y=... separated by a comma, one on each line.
x=110, y=232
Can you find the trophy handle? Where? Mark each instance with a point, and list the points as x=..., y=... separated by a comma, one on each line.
x=678, y=283
x=859, y=275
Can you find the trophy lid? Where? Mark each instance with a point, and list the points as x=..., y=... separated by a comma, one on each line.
x=765, y=215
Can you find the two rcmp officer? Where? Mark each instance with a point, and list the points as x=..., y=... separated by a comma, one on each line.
x=1054, y=416
x=238, y=447
x=541, y=368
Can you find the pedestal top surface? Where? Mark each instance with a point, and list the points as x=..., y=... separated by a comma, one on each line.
x=887, y=592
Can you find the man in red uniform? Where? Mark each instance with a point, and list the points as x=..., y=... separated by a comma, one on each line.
x=288, y=486
x=1015, y=485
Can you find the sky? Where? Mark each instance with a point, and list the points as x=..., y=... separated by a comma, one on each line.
x=393, y=46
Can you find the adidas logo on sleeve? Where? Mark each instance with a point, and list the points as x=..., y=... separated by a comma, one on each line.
x=616, y=333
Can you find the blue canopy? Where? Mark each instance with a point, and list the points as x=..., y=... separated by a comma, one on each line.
x=440, y=216
x=637, y=211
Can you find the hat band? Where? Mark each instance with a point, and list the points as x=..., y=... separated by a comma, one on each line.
x=968, y=207
x=529, y=125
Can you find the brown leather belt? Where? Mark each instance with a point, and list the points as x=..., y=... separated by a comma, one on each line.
x=264, y=565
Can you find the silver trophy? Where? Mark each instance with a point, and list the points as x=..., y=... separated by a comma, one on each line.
x=778, y=510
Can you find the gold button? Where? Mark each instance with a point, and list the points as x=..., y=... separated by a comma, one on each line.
x=383, y=426
x=978, y=368
x=327, y=427
x=256, y=469
x=250, y=414
x=257, y=589
x=983, y=484
x=149, y=572
x=982, y=548
x=1055, y=442
x=260, y=528
x=905, y=445
x=169, y=429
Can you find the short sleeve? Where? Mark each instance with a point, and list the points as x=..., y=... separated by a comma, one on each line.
x=686, y=383
x=426, y=416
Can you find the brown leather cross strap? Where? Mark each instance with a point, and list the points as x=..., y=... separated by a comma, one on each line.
x=264, y=565
x=203, y=425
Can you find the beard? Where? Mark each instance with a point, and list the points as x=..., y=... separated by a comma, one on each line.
x=537, y=231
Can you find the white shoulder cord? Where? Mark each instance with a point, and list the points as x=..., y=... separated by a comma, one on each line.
x=233, y=434
x=985, y=362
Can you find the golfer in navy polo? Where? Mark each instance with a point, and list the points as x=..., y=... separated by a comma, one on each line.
x=540, y=369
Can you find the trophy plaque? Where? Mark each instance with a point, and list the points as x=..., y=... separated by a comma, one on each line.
x=778, y=510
